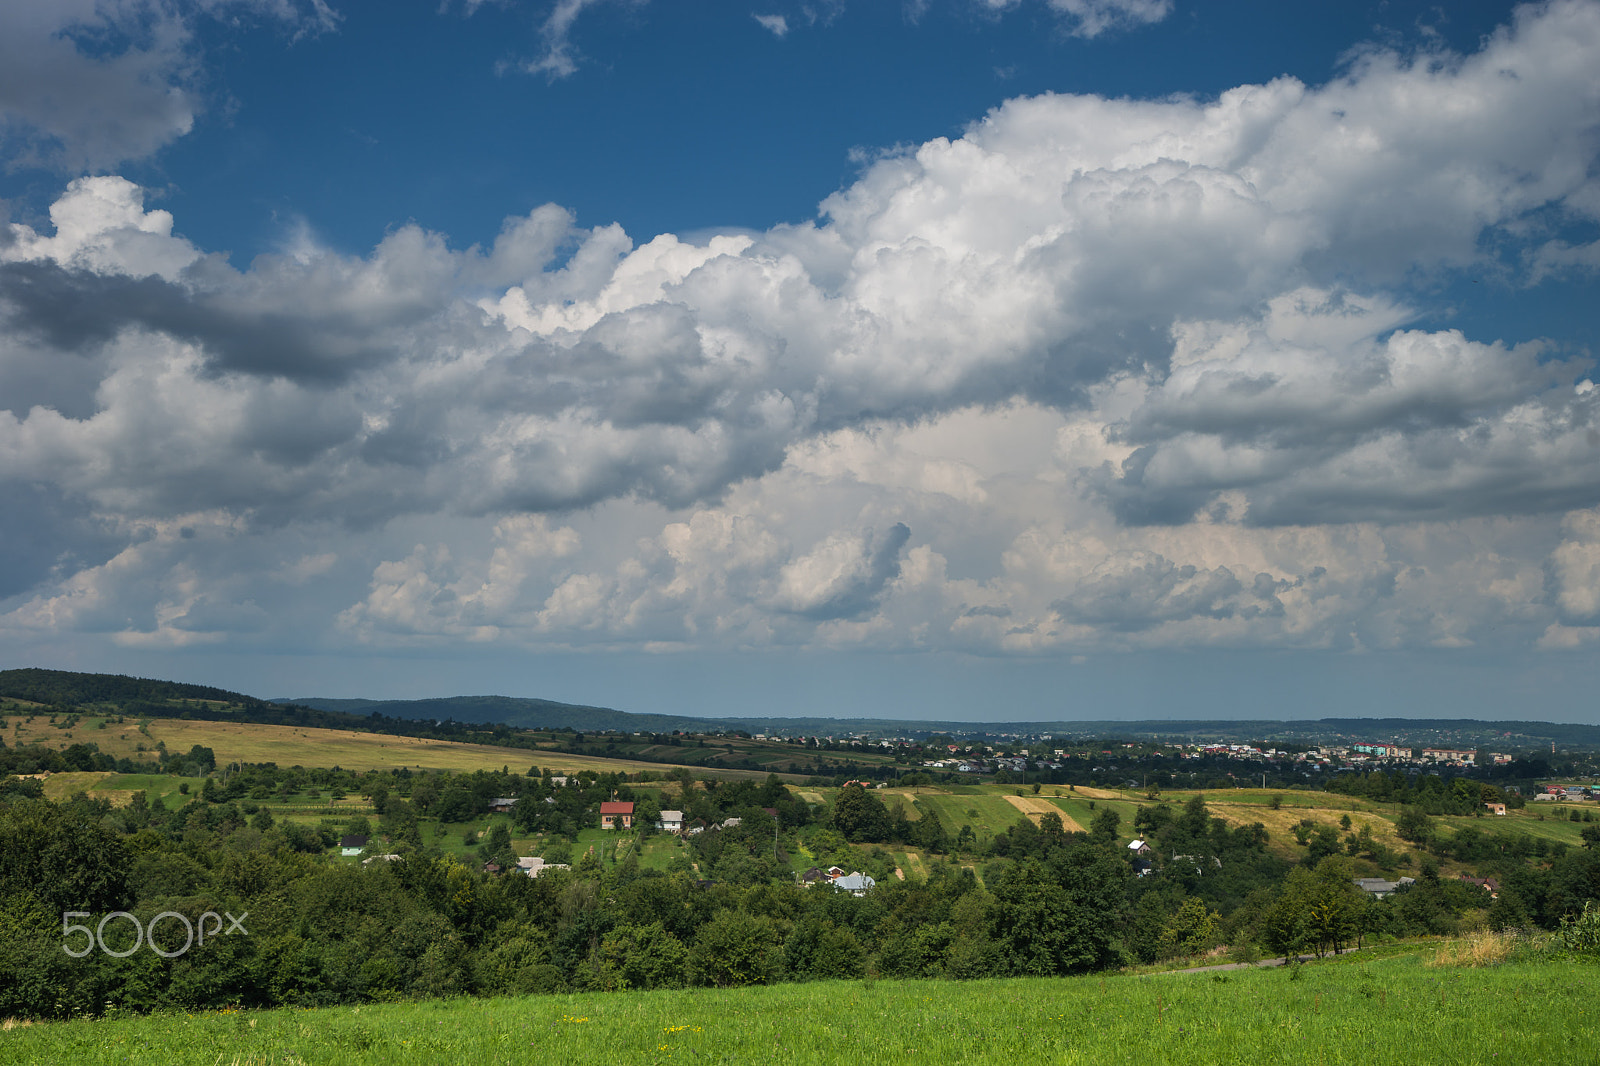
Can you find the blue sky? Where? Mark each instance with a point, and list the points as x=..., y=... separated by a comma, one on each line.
x=1080, y=358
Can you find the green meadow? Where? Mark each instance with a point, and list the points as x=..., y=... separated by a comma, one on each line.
x=1354, y=1011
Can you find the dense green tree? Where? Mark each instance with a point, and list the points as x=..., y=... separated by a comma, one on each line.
x=642, y=957
x=1192, y=930
x=64, y=856
x=860, y=816
x=1414, y=825
x=735, y=948
x=817, y=949
x=1104, y=827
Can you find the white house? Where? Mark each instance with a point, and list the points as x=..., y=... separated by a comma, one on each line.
x=670, y=822
x=533, y=865
x=857, y=884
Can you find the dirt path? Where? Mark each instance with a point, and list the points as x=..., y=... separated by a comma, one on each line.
x=1036, y=808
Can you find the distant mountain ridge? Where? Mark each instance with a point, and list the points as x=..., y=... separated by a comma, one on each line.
x=147, y=696
x=527, y=713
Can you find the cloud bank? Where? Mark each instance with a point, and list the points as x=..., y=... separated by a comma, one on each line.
x=1097, y=374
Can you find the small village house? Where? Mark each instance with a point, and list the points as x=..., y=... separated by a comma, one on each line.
x=616, y=814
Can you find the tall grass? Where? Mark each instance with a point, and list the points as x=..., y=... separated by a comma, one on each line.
x=1477, y=949
x=1394, y=1011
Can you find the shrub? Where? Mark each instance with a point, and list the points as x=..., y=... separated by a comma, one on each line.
x=736, y=949
x=1581, y=934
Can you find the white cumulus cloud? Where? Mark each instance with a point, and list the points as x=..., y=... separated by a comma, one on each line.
x=1095, y=374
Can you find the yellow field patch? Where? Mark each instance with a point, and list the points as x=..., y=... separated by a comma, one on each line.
x=1036, y=808
x=1280, y=824
x=58, y=787
x=298, y=746
x=1099, y=793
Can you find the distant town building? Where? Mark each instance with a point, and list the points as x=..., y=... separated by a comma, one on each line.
x=1383, y=751
x=1449, y=755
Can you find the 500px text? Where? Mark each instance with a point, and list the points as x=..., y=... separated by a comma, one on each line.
x=147, y=934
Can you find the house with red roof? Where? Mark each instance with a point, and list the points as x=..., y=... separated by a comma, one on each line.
x=616, y=814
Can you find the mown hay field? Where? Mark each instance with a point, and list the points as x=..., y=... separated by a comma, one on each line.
x=297, y=746
x=1036, y=808
x=1347, y=1012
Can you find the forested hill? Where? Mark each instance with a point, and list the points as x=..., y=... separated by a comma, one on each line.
x=66, y=687
x=523, y=713
x=144, y=697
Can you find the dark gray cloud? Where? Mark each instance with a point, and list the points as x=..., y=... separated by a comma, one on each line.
x=75, y=309
x=46, y=533
x=1152, y=592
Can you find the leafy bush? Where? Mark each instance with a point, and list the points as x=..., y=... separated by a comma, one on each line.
x=1581, y=934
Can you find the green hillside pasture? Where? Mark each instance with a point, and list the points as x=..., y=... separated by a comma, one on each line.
x=1526, y=821
x=1386, y=1012
x=123, y=786
x=994, y=814
x=1079, y=809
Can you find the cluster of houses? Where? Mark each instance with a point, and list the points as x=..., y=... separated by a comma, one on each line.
x=855, y=882
x=975, y=761
x=976, y=765
x=1378, y=888
x=1568, y=794
x=1356, y=756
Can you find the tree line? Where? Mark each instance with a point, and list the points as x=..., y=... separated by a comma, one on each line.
x=1035, y=899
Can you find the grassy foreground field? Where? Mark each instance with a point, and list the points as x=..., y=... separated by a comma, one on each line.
x=1360, y=1013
